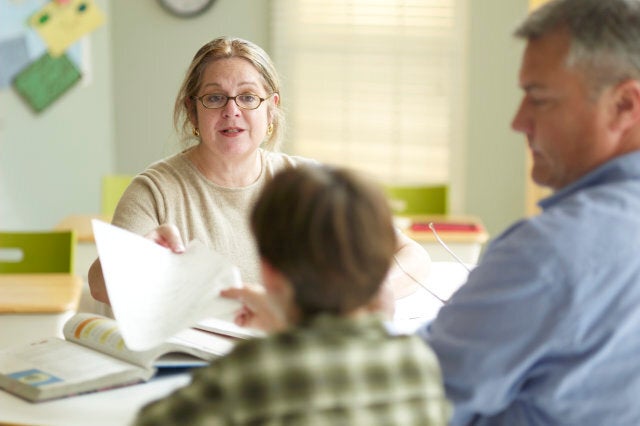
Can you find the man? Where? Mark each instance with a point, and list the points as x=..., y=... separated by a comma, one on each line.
x=547, y=329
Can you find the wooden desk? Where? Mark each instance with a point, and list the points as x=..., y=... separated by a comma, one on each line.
x=39, y=293
x=119, y=406
x=81, y=223
x=86, y=253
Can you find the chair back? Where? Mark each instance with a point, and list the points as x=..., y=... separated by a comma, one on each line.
x=112, y=188
x=37, y=252
x=411, y=200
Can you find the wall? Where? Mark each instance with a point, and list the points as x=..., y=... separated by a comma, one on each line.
x=51, y=163
x=495, y=169
x=151, y=52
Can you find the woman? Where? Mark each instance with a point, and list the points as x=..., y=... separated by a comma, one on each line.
x=227, y=109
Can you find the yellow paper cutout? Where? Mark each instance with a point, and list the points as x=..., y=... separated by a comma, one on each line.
x=60, y=24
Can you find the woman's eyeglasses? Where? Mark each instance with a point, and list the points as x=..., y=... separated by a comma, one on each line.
x=218, y=100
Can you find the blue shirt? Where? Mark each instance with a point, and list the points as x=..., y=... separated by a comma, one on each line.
x=546, y=331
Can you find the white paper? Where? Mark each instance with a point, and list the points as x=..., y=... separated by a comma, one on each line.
x=155, y=293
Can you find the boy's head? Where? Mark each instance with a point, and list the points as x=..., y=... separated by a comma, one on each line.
x=329, y=233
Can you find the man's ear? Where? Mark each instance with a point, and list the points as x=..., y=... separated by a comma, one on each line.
x=626, y=107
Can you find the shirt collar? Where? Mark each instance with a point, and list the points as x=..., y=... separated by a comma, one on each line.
x=624, y=167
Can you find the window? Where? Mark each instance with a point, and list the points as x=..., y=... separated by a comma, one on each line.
x=373, y=84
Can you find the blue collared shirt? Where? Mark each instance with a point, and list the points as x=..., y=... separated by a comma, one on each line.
x=546, y=331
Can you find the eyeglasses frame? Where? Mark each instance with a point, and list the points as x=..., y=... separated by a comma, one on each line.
x=199, y=98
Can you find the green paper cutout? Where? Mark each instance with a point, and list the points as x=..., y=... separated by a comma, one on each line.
x=45, y=80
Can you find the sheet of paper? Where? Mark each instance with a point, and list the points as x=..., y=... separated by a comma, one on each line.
x=13, y=57
x=60, y=24
x=45, y=80
x=155, y=293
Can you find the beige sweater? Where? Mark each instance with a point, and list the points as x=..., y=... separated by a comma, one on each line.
x=173, y=191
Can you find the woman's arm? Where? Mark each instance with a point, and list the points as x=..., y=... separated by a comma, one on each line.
x=410, y=268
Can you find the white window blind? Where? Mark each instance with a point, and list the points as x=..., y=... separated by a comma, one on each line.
x=371, y=84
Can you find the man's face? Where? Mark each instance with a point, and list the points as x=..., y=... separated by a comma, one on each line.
x=565, y=129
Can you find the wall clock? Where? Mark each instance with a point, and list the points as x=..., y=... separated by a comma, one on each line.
x=186, y=8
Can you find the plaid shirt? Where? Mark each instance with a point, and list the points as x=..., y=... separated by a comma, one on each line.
x=331, y=371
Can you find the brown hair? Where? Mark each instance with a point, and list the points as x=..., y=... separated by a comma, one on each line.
x=329, y=232
x=220, y=48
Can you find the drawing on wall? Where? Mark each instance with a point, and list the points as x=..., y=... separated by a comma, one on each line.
x=48, y=39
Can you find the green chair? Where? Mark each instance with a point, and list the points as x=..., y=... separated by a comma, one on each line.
x=112, y=188
x=411, y=200
x=37, y=252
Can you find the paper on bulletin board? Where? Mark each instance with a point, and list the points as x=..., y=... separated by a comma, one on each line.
x=14, y=56
x=45, y=80
x=16, y=36
x=61, y=24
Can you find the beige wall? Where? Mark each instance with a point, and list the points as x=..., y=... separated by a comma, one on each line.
x=495, y=155
x=151, y=52
x=51, y=165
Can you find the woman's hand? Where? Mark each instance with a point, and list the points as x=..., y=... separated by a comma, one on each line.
x=167, y=236
x=410, y=266
x=257, y=310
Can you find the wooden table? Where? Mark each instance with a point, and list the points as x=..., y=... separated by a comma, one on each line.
x=39, y=293
x=86, y=253
x=81, y=223
x=118, y=407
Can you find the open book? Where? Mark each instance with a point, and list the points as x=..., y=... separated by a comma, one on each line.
x=93, y=356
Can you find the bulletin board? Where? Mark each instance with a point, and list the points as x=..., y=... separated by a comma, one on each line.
x=44, y=47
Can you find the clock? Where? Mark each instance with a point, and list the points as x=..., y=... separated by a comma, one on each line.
x=186, y=8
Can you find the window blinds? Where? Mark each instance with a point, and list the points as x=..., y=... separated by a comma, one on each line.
x=371, y=84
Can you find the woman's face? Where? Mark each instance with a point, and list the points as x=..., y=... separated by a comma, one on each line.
x=232, y=132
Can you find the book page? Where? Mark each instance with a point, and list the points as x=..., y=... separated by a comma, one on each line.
x=54, y=367
x=155, y=293
x=199, y=344
x=102, y=334
x=228, y=328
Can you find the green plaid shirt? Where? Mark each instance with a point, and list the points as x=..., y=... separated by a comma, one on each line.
x=332, y=371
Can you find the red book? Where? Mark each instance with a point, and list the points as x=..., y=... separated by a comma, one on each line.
x=445, y=227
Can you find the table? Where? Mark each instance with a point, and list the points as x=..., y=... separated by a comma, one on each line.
x=39, y=293
x=81, y=224
x=33, y=306
x=85, y=254
x=116, y=407
x=119, y=406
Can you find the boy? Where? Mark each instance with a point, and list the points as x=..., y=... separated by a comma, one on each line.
x=326, y=242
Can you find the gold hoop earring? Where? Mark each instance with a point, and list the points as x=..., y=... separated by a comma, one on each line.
x=270, y=129
x=196, y=132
